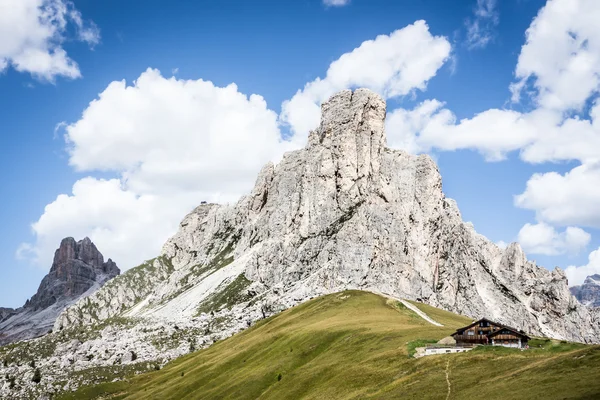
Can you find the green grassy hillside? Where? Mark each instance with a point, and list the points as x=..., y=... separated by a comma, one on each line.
x=355, y=345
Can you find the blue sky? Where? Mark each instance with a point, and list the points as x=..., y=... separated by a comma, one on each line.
x=273, y=49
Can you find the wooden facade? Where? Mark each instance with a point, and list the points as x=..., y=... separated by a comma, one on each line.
x=488, y=332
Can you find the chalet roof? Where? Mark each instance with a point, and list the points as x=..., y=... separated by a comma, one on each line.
x=515, y=330
x=475, y=323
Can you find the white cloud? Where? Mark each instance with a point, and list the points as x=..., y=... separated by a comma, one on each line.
x=540, y=135
x=392, y=65
x=577, y=275
x=336, y=3
x=542, y=238
x=429, y=126
x=32, y=33
x=561, y=55
x=174, y=134
x=569, y=199
x=480, y=28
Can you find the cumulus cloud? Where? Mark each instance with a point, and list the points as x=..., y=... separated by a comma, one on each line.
x=336, y=3
x=577, y=274
x=480, y=27
x=561, y=56
x=392, y=65
x=429, y=126
x=542, y=238
x=540, y=135
x=172, y=143
x=569, y=199
x=166, y=134
x=32, y=33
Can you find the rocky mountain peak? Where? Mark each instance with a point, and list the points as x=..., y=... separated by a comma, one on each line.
x=345, y=212
x=593, y=279
x=589, y=293
x=78, y=269
x=69, y=249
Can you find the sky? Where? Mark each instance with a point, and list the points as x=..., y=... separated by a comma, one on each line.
x=118, y=118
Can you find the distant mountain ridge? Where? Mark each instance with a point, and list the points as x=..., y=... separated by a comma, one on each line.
x=78, y=269
x=588, y=294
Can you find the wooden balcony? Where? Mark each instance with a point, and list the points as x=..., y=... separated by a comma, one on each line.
x=471, y=338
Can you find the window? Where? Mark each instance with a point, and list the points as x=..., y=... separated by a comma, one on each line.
x=484, y=324
x=481, y=332
x=470, y=333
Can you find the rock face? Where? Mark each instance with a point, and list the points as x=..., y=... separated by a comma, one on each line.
x=78, y=269
x=346, y=212
x=589, y=293
x=5, y=313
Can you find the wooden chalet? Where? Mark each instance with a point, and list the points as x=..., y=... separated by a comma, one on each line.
x=492, y=333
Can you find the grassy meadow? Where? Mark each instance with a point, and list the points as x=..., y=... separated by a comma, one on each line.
x=357, y=345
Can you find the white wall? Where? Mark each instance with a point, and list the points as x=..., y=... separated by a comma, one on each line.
x=445, y=350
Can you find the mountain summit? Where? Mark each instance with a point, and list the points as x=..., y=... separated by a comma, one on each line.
x=588, y=293
x=78, y=269
x=345, y=212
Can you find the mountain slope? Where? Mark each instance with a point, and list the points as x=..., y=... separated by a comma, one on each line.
x=589, y=293
x=353, y=345
x=78, y=270
x=346, y=212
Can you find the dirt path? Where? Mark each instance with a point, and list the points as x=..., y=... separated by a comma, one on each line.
x=411, y=307
x=448, y=379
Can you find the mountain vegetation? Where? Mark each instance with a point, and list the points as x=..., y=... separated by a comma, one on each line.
x=356, y=345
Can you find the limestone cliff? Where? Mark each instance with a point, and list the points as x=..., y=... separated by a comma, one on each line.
x=344, y=212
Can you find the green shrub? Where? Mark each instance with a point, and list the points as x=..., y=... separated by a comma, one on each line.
x=37, y=376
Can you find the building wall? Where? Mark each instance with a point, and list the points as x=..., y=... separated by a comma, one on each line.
x=445, y=350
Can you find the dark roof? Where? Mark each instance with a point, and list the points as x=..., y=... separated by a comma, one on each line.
x=515, y=330
x=475, y=323
x=498, y=332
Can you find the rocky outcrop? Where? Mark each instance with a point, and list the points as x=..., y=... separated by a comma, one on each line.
x=6, y=313
x=588, y=294
x=78, y=269
x=348, y=212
